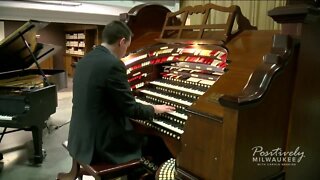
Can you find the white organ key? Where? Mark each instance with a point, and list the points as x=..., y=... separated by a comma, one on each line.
x=172, y=128
x=202, y=81
x=193, y=79
x=215, y=63
x=6, y=118
x=180, y=88
x=167, y=97
x=182, y=116
x=208, y=82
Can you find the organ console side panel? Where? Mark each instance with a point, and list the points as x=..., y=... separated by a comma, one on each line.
x=265, y=124
x=304, y=129
x=304, y=118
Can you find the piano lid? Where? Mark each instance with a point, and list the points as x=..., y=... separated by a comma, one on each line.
x=14, y=53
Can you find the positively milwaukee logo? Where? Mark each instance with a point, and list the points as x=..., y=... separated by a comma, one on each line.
x=276, y=157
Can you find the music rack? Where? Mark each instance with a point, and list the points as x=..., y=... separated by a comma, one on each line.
x=175, y=31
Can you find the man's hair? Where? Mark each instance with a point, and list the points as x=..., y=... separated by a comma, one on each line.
x=114, y=31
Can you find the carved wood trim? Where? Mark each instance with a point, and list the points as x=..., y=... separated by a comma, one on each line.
x=261, y=78
x=173, y=29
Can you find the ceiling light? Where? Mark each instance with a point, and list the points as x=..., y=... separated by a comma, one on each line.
x=62, y=3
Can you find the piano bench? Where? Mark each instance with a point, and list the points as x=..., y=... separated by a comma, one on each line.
x=99, y=170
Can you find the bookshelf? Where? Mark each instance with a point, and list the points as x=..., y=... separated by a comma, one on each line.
x=78, y=43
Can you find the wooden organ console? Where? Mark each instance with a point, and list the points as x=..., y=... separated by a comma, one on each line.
x=231, y=88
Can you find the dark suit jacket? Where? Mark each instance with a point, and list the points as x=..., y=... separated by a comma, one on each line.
x=102, y=104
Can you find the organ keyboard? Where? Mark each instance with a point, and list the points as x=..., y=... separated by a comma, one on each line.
x=186, y=72
x=27, y=96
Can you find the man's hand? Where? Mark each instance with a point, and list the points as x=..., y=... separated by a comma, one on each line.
x=158, y=109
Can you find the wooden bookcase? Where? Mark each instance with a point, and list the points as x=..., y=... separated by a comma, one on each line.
x=79, y=42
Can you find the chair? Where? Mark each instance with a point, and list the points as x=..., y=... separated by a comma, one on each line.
x=98, y=170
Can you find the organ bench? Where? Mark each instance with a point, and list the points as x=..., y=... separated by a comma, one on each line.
x=98, y=170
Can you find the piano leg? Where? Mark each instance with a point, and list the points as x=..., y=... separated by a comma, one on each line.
x=2, y=134
x=39, y=153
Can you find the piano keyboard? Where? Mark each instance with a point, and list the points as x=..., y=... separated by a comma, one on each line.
x=6, y=118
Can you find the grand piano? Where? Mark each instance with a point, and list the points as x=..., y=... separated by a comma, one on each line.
x=27, y=96
x=231, y=85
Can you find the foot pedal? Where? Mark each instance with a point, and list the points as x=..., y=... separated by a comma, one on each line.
x=149, y=165
x=167, y=170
